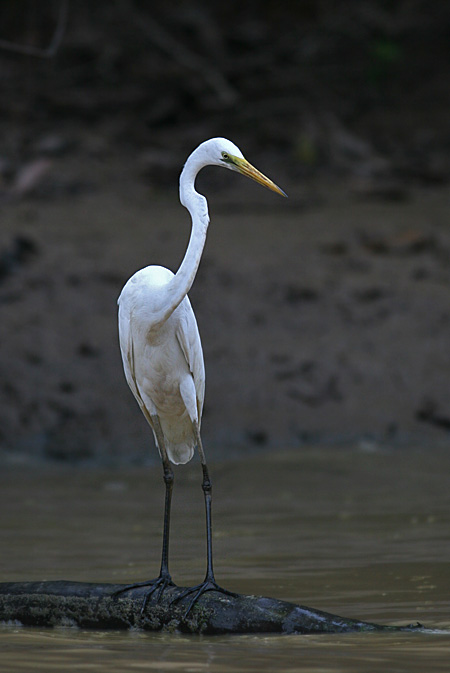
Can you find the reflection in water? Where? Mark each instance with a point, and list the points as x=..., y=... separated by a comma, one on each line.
x=357, y=533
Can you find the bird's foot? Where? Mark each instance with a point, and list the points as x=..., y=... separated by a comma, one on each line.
x=209, y=584
x=158, y=585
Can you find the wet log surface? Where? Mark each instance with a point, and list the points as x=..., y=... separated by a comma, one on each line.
x=95, y=606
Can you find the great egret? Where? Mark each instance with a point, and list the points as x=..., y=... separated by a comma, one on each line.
x=162, y=353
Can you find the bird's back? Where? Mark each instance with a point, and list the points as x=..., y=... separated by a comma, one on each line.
x=163, y=361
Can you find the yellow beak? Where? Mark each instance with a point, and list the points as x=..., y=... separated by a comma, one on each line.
x=244, y=167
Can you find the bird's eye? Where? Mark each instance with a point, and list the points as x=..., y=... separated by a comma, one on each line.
x=225, y=156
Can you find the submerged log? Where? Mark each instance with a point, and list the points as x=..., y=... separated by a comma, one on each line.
x=96, y=606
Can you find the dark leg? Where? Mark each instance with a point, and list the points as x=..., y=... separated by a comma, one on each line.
x=209, y=583
x=164, y=580
x=168, y=480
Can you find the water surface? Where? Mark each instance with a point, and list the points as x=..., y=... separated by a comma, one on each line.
x=360, y=532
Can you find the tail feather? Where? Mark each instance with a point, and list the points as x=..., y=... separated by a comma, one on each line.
x=179, y=454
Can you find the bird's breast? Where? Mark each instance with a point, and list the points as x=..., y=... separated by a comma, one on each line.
x=160, y=368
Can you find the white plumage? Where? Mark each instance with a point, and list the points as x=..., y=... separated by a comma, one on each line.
x=163, y=361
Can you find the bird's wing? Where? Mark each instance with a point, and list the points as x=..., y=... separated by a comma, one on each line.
x=127, y=352
x=188, y=338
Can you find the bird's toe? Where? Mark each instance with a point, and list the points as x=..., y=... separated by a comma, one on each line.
x=156, y=586
x=198, y=591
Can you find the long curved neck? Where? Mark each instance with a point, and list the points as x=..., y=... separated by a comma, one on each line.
x=197, y=206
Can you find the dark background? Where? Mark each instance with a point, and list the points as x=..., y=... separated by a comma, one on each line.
x=342, y=103
x=323, y=84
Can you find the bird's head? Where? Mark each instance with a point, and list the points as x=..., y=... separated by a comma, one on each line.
x=222, y=152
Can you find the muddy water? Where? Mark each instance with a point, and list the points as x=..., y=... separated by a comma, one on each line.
x=359, y=532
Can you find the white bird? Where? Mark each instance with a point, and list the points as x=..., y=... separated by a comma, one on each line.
x=162, y=353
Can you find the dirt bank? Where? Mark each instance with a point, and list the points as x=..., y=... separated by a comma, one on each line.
x=324, y=318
